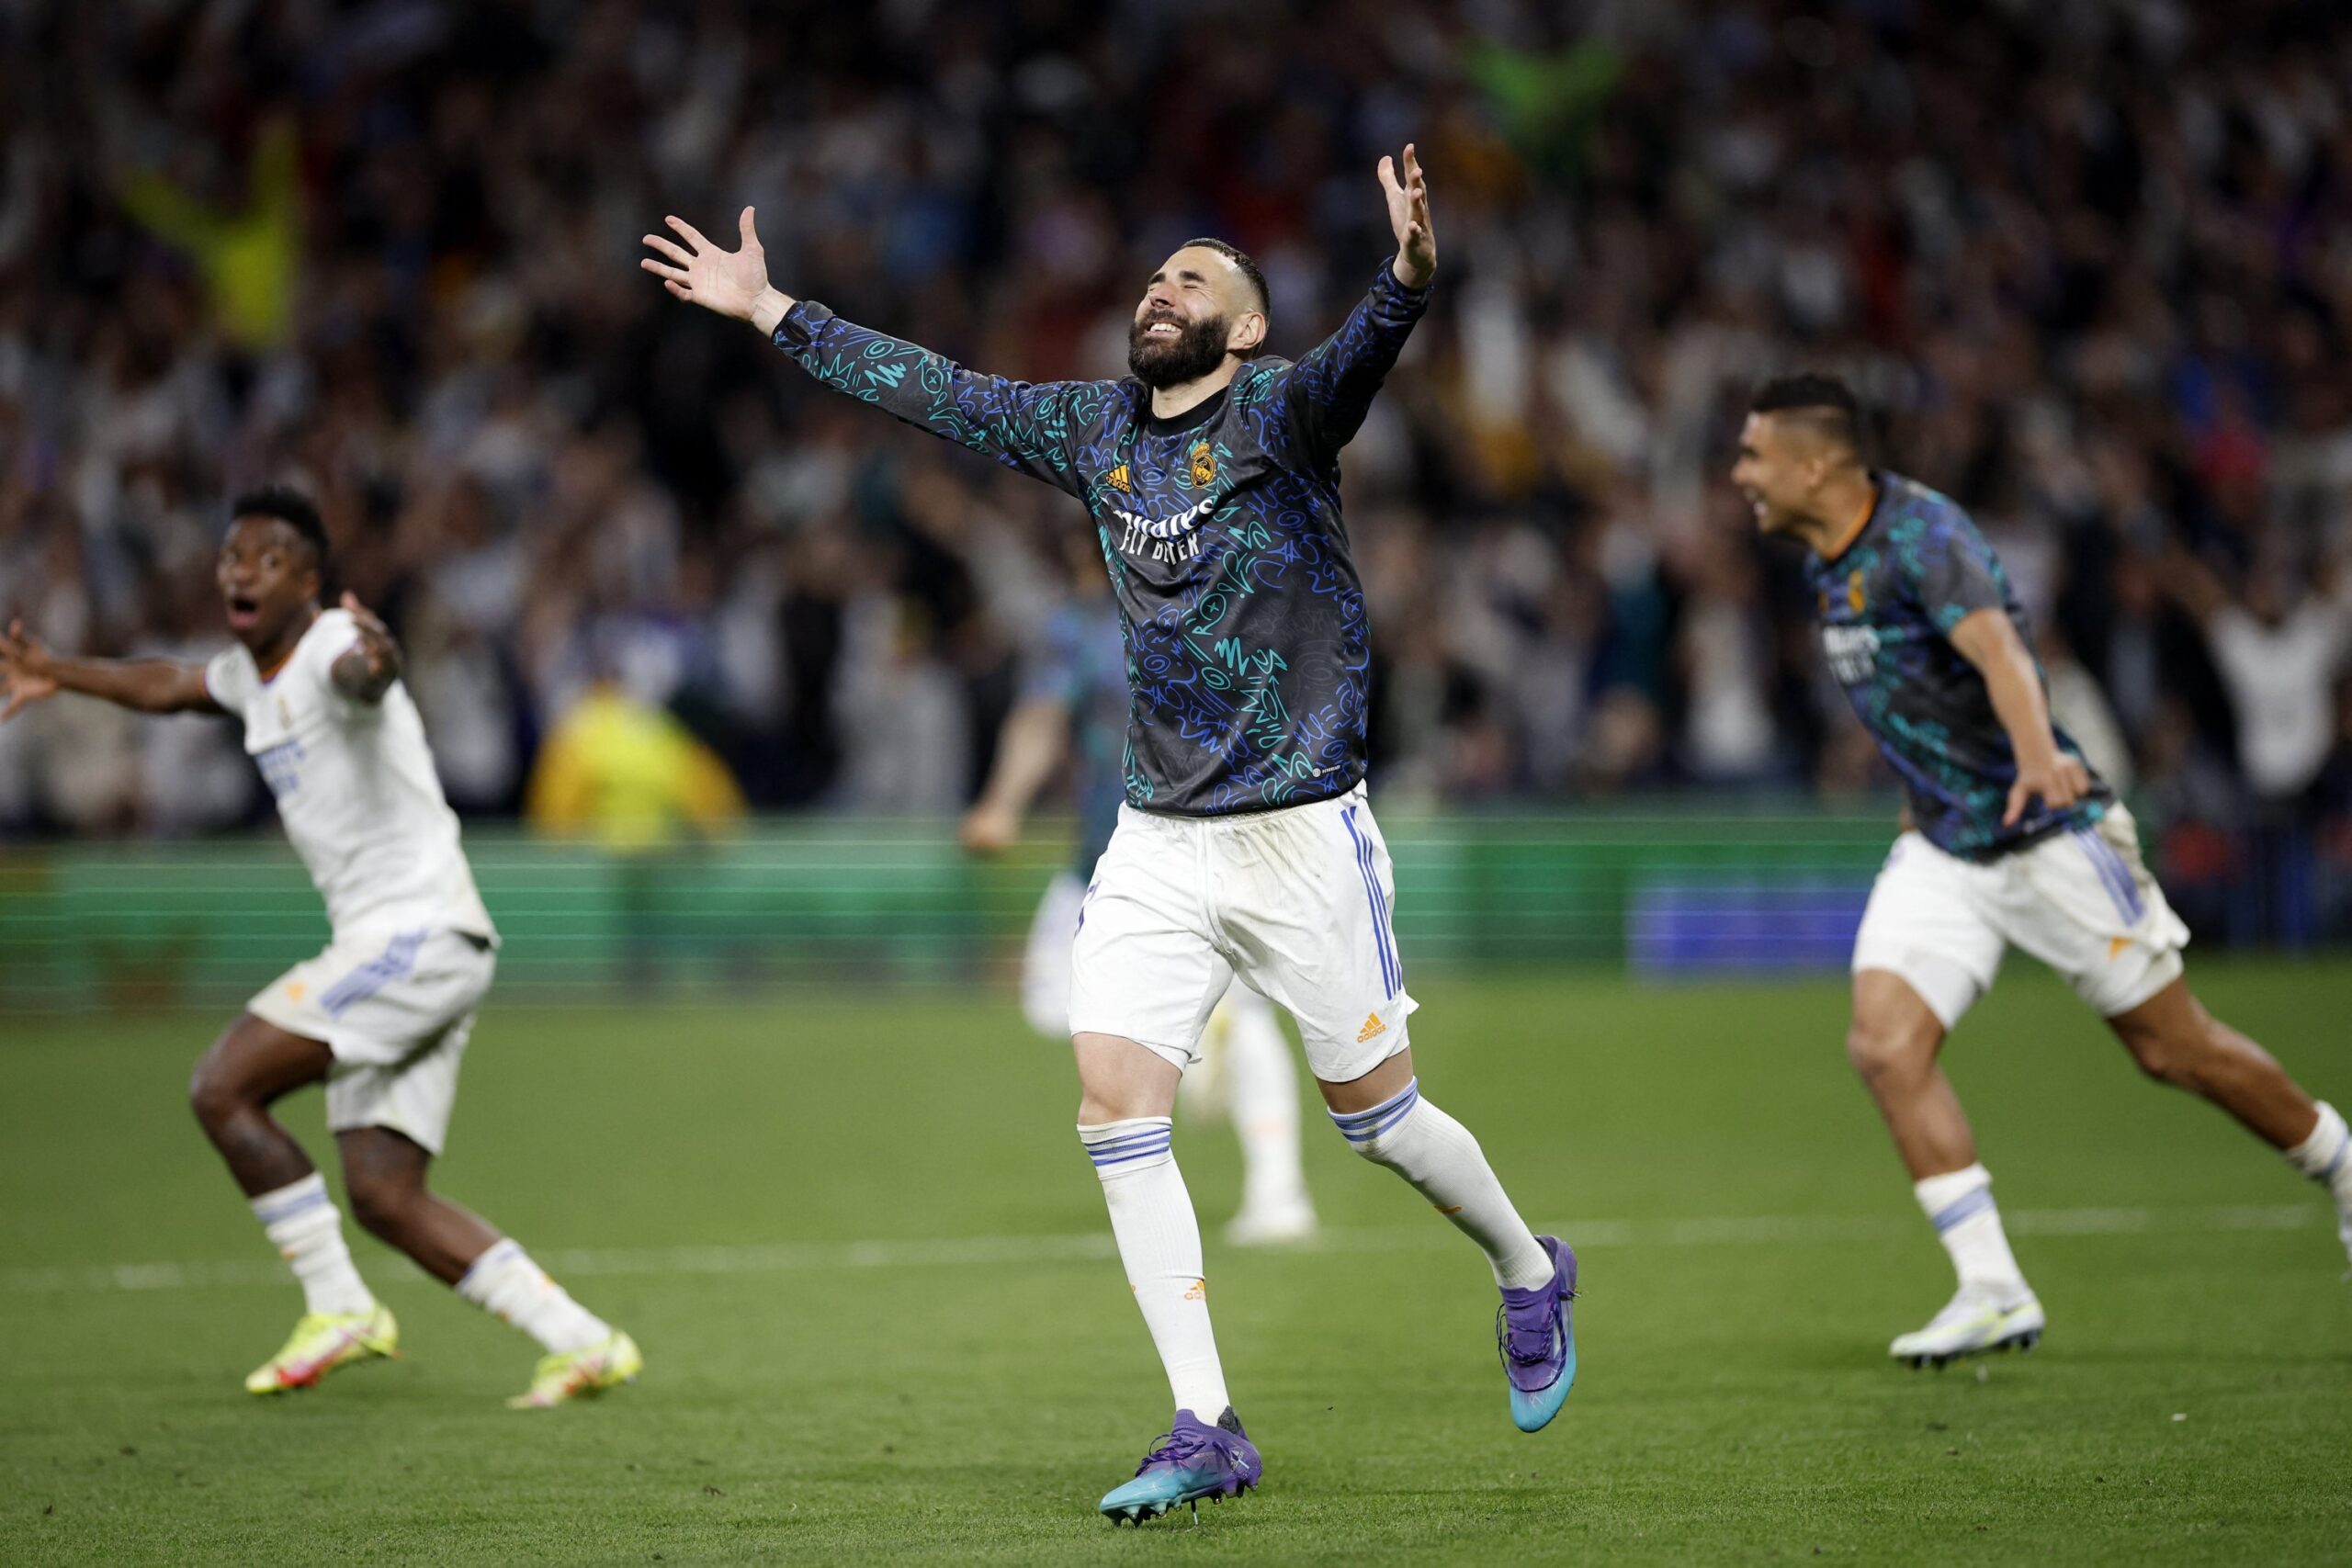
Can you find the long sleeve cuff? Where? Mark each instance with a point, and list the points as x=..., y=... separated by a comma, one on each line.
x=800, y=325
x=1413, y=301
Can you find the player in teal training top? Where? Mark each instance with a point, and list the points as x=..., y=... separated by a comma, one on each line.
x=2010, y=839
x=1247, y=845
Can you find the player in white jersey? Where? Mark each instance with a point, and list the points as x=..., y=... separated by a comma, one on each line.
x=382, y=1016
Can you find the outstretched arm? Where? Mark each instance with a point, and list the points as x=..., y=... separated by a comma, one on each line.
x=366, y=671
x=1332, y=387
x=1024, y=426
x=1989, y=640
x=30, y=673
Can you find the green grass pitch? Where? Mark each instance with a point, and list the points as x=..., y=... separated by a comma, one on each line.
x=871, y=1275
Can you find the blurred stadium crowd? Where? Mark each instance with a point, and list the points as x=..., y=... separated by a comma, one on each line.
x=2093, y=260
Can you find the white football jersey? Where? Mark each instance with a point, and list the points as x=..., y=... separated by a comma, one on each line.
x=355, y=786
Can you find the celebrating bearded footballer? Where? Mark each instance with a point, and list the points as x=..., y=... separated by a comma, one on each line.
x=383, y=1015
x=1246, y=846
x=2012, y=839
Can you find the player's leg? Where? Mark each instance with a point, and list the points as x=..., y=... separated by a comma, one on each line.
x=1893, y=1043
x=400, y=1047
x=1127, y=1094
x=1926, y=951
x=2176, y=1041
x=1308, y=902
x=1145, y=976
x=2088, y=906
x=247, y=1069
x=385, y=1169
x=1262, y=1095
x=384, y=1173
x=1385, y=1118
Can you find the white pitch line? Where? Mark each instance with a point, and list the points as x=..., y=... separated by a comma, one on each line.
x=784, y=1257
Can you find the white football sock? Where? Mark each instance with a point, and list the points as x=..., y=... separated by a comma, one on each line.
x=306, y=1228
x=2326, y=1156
x=1445, y=1165
x=505, y=1283
x=1264, y=1102
x=1959, y=1205
x=1159, y=1243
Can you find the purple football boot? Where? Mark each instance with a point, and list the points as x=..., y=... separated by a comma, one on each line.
x=1539, y=1348
x=1193, y=1462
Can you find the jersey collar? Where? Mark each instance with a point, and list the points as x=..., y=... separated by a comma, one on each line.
x=1854, y=530
x=1193, y=418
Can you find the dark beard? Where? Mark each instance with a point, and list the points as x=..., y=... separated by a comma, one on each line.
x=1199, y=348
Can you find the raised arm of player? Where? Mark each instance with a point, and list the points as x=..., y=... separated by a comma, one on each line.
x=1035, y=735
x=1989, y=640
x=30, y=673
x=1333, y=386
x=1026, y=427
x=366, y=671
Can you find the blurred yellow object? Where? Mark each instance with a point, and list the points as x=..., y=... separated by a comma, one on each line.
x=630, y=775
x=251, y=259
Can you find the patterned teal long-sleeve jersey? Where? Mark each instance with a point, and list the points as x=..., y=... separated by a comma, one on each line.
x=1249, y=652
x=1888, y=603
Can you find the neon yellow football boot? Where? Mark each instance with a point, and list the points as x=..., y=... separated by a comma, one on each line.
x=578, y=1374
x=323, y=1341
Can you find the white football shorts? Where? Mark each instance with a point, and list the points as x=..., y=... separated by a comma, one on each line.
x=1295, y=902
x=396, y=1008
x=2081, y=901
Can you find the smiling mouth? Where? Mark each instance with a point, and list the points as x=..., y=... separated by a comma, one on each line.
x=1162, y=329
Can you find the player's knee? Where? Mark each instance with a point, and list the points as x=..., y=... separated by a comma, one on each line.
x=380, y=1203
x=1886, y=1052
x=2165, y=1056
x=2171, y=1044
x=213, y=1091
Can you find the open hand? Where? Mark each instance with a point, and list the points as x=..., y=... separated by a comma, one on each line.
x=24, y=671
x=366, y=671
x=733, y=283
x=989, y=829
x=375, y=644
x=2059, y=783
x=1408, y=215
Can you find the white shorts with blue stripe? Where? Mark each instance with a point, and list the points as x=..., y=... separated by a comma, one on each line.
x=1296, y=902
x=2083, y=902
x=396, y=1007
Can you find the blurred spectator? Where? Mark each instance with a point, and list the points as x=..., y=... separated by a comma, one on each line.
x=625, y=773
x=2279, y=654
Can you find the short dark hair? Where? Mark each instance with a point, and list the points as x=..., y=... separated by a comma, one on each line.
x=1820, y=400
x=290, y=507
x=1240, y=259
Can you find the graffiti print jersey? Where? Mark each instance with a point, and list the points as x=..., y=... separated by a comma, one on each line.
x=1249, y=653
x=1888, y=603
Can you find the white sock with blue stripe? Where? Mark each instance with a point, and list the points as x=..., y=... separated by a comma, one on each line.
x=306, y=1228
x=1159, y=1244
x=1445, y=1165
x=1959, y=1203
